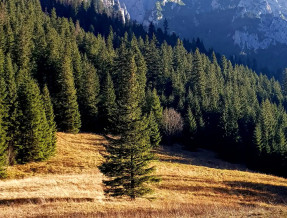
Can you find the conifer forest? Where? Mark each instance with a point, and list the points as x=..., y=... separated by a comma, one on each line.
x=72, y=66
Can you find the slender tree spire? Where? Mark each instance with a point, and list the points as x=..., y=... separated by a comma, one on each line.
x=126, y=164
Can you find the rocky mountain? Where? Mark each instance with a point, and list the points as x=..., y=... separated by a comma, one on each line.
x=118, y=8
x=257, y=28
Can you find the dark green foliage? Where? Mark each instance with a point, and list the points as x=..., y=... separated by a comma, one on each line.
x=190, y=124
x=141, y=70
x=223, y=105
x=269, y=137
x=89, y=97
x=152, y=58
x=67, y=109
x=34, y=136
x=51, y=144
x=11, y=102
x=155, y=136
x=3, y=149
x=154, y=105
x=127, y=164
x=198, y=79
x=3, y=144
x=108, y=105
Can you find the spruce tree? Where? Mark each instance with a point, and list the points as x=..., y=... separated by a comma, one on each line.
x=154, y=105
x=3, y=144
x=141, y=70
x=66, y=105
x=198, y=76
x=153, y=61
x=155, y=136
x=89, y=97
x=129, y=154
x=258, y=139
x=51, y=144
x=108, y=105
x=34, y=133
x=11, y=123
x=190, y=123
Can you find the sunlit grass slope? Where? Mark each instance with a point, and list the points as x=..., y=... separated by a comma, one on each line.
x=194, y=184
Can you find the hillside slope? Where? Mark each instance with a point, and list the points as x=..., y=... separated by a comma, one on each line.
x=193, y=184
x=235, y=27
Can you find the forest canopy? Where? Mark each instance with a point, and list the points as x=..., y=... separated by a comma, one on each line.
x=56, y=74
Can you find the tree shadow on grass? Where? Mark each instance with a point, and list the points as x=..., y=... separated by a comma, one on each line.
x=251, y=193
x=18, y=201
x=274, y=194
x=201, y=157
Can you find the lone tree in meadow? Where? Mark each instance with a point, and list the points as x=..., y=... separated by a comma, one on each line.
x=129, y=153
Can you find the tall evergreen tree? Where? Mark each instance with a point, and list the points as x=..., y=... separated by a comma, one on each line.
x=154, y=105
x=153, y=61
x=108, y=105
x=190, y=123
x=198, y=76
x=89, y=97
x=3, y=144
x=11, y=102
x=34, y=134
x=141, y=69
x=155, y=136
x=130, y=153
x=66, y=105
x=49, y=112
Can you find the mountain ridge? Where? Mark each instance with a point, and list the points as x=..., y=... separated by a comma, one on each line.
x=237, y=27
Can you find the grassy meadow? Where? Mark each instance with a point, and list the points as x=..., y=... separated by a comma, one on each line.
x=194, y=184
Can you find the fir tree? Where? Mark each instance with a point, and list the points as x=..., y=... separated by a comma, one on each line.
x=11, y=102
x=66, y=105
x=49, y=112
x=108, y=104
x=3, y=151
x=155, y=136
x=154, y=105
x=89, y=97
x=3, y=144
x=34, y=134
x=190, y=123
x=130, y=153
x=153, y=61
x=141, y=69
x=198, y=76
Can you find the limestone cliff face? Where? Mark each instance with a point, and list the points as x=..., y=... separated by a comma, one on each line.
x=230, y=26
x=119, y=9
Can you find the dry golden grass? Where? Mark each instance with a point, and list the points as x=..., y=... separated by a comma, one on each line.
x=79, y=153
x=194, y=184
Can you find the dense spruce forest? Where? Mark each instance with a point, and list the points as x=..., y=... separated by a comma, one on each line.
x=57, y=76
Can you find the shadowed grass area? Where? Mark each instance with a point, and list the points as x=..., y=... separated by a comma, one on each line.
x=194, y=184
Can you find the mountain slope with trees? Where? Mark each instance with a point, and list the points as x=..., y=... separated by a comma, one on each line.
x=218, y=105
